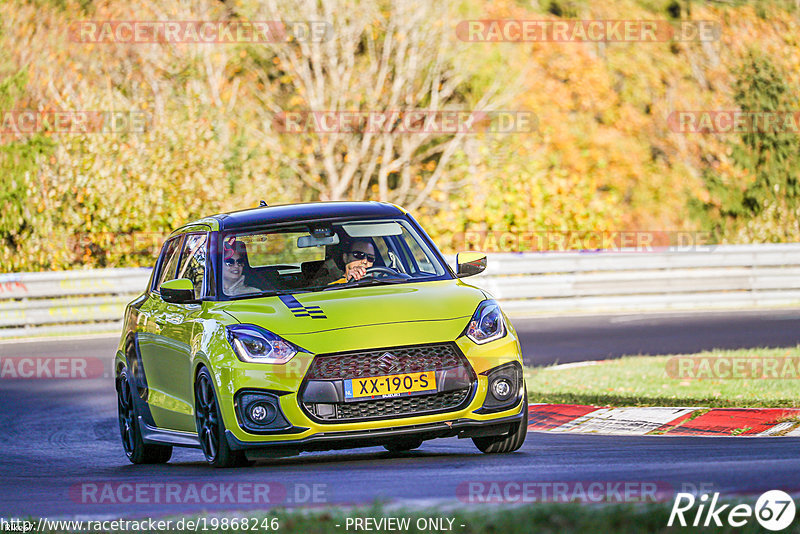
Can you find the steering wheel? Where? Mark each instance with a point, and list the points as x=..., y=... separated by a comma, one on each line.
x=385, y=272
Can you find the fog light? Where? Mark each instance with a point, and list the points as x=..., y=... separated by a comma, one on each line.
x=258, y=413
x=501, y=388
x=262, y=413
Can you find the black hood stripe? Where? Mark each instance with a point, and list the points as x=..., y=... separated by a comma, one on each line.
x=299, y=310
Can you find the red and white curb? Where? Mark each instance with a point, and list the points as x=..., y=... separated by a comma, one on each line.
x=580, y=419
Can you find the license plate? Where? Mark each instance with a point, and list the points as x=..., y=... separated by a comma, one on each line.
x=389, y=386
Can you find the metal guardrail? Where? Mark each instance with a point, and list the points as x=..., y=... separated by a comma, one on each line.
x=68, y=301
x=744, y=276
x=727, y=276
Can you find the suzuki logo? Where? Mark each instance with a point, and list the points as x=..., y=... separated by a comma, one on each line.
x=388, y=362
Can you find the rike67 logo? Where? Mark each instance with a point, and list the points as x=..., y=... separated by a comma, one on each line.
x=774, y=510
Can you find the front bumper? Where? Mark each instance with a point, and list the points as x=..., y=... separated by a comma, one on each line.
x=306, y=432
x=331, y=440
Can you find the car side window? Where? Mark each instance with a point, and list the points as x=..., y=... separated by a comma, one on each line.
x=193, y=262
x=423, y=263
x=169, y=262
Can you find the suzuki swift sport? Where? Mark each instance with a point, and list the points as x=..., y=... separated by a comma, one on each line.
x=276, y=330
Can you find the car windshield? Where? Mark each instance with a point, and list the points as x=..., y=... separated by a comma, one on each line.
x=320, y=256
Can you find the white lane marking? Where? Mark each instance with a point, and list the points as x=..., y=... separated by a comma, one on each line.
x=59, y=338
x=571, y=425
x=628, y=421
x=654, y=318
x=777, y=428
x=774, y=315
x=572, y=365
x=795, y=432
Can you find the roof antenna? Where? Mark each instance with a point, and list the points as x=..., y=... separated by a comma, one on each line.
x=262, y=204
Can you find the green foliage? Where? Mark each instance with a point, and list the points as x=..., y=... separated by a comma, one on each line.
x=567, y=9
x=773, y=157
x=767, y=206
x=11, y=88
x=85, y=6
x=18, y=162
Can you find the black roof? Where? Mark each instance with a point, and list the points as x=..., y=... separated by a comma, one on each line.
x=304, y=212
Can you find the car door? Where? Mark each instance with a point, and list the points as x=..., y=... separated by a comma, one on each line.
x=148, y=336
x=181, y=322
x=166, y=345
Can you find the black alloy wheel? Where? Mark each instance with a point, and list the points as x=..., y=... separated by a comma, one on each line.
x=135, y=449
x=210, y=427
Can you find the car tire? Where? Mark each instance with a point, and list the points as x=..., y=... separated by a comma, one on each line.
x=403, y=445
x=509, y=442
x=137, y=451
x=211, y=427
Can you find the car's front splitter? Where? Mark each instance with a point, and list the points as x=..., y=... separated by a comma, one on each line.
x=462, y=428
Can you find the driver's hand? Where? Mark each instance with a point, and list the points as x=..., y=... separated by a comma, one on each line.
x=355, y=270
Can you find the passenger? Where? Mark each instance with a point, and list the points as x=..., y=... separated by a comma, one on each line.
x=235, y=265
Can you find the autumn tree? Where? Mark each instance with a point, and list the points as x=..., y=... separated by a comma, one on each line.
x=379, y=58
x=766, y=207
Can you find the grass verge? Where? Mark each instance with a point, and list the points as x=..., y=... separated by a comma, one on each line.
x=645, y=381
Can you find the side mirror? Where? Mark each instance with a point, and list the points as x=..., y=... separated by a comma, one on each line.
x=470, y=263
x=179, y=291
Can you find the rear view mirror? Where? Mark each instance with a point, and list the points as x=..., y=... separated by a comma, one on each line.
x=307, y=241
x=470, y=263
x=179, y=291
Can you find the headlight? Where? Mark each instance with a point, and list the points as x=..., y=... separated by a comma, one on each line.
x=487, y=323
x=257, y=345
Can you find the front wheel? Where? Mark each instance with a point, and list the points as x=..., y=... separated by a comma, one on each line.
x=135, y=449
x=210, y=426
x=509, y=442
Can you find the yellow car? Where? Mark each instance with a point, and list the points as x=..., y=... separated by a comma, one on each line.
x=276, y=330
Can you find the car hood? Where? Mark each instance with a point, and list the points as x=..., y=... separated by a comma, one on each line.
x=325, y=311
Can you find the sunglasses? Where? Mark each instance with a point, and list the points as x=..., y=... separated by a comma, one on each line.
x=357, y=254
x=231, y=261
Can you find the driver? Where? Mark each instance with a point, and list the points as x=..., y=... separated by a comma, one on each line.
x=359, y=258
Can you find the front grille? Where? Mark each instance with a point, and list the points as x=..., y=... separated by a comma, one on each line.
x=370, y=363
x=398, y=406
x=322, y=394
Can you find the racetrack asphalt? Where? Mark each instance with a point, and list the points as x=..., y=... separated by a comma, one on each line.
x=60, y=440
x=550, y=340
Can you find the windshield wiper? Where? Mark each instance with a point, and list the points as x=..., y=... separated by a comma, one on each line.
x=275, y=292
x=369, y=281
x=313, y=289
